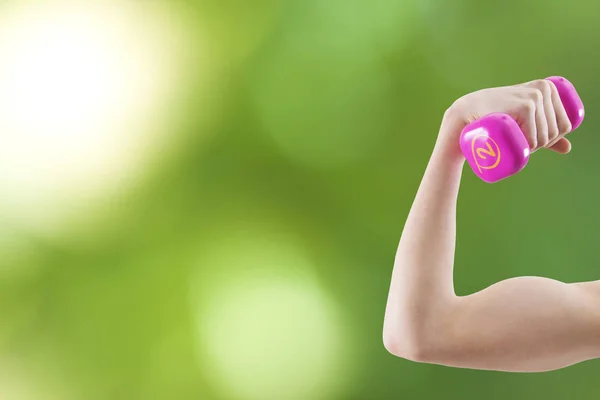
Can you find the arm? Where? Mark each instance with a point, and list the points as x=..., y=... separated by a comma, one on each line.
x=523, y=324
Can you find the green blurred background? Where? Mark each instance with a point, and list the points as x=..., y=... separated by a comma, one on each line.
x=202, y=199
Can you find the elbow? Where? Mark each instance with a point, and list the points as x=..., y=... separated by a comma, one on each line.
x=424, y=337
x=416, y=348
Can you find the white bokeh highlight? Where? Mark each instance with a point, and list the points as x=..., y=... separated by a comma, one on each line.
x=267, y=329
x=82, y=87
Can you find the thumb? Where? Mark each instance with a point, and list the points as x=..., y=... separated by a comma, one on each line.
x=563, y=146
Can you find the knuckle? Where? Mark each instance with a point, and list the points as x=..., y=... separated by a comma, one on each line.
x=533, y=144
x=564, y=126
x=532, y=139
x=537, y=95
x=541, y=84
x=529, y=106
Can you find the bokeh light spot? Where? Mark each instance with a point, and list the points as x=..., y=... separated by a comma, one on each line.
x=83, y=88
x=35, y=377
x=267, y=328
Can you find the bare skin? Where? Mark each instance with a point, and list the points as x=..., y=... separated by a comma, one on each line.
x=524, y=324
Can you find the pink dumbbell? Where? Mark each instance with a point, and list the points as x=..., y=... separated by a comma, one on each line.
x=496, y=148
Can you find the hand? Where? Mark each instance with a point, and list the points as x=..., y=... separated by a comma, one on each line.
x=535, y=106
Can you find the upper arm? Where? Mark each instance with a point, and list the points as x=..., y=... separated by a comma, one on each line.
x=521, y=324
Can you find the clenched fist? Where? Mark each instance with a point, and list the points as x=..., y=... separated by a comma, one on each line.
x=535, y=106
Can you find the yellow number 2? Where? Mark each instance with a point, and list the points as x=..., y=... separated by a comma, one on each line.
x=490, y=152
x=483, y=152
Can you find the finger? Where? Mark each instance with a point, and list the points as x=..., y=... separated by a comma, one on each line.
x=526, y=120
x=541, y=121
x=562, y=119
x=563, y=146
x=545, y=86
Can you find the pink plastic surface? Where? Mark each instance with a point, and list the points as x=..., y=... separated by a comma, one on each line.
x=570, y=99
x=496, y=148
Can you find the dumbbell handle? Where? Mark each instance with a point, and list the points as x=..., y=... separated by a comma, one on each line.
x=495, y=146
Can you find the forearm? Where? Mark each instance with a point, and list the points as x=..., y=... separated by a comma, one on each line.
x=422, y=282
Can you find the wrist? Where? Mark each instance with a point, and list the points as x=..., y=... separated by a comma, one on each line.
x=447, y=146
